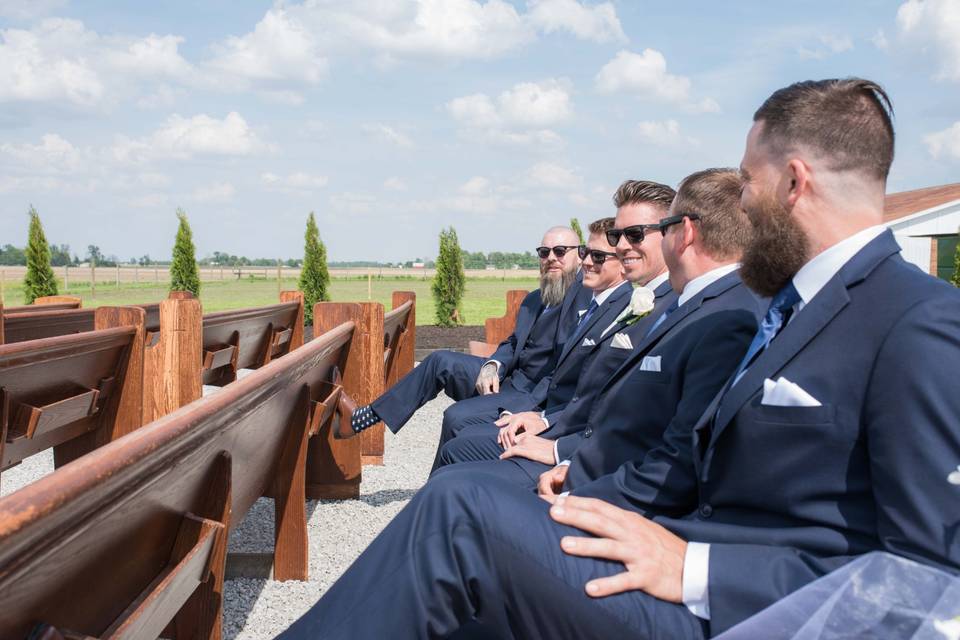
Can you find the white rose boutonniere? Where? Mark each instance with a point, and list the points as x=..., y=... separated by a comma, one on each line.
x=641, y=304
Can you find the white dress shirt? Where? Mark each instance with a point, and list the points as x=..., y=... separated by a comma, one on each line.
x=809, y=280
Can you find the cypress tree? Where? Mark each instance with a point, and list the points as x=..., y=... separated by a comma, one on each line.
x=39, y=280
x=450, y=281
x=575, y=225
x=956, y=263
x=183, y=269
x=314, y=277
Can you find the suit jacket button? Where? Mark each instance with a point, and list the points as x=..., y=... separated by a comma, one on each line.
x=587, y=432
x=706, y=510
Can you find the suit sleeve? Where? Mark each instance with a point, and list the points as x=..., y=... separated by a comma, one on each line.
x=664, y=481
x=910, y=417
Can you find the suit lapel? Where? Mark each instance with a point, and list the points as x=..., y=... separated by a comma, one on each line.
x=603, y=313
x=809, y=322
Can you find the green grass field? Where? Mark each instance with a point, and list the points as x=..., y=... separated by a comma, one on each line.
x=484, y=297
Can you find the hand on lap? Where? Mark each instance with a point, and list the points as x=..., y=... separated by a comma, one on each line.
x=531, y=447
x=551, y=482
x=524, y=422
x=653, y=557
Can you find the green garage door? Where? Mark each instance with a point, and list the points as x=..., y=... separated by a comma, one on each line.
x=946, y=250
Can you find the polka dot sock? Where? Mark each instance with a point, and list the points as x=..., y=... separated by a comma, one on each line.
x=363, y=418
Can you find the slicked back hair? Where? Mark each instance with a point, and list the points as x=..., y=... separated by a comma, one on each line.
x=601, y=226
x=847, y=122
x=644, y=192
x=714, y=195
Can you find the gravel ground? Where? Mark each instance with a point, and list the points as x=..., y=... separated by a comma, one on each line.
x=339, y=529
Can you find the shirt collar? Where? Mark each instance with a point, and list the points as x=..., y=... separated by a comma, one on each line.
x=704, y=280
x=659, y=280
x=601, y=297
x=814, y=275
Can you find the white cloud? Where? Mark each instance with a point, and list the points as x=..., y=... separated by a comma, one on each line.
x=521, y=115
x=934, y=25
x=553, y=176
x=299, y=182
x=389, y=134
x=827, y=45
x=598, y=22
x=944, y=143
x=53, y=155
x=350, y=202
x=663, y=134
x=214, y=193
x=28, y=9
x=645, y=74
x=61, y=62
x=279, y=53
x=880, y=41
x=475, y=186
x=394, y=183
x=183, y=138
x=147, y=201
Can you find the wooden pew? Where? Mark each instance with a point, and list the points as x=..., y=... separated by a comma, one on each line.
x=73, y=393
x=499, y=329
x=191, y=350
x=130, y=540
x=36, y=322
x=49, y=303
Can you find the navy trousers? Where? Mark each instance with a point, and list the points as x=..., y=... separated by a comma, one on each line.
x=475, y=549
x=448, y=371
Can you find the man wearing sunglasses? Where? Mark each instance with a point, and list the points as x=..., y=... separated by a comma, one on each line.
x=517, y=366
x=575, y=387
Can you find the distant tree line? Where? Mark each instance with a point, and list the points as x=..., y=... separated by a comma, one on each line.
x=499, y=260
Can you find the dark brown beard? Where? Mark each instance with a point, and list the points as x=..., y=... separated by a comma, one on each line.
x=776, y=252
x=552, y=290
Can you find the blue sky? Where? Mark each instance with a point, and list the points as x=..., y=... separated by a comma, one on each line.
x=393, y=118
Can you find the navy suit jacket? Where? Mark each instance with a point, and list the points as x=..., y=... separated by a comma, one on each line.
x=786, y=494
x=697, y=347
x=530, y=353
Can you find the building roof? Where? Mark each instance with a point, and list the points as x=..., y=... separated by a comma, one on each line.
x=906, y=203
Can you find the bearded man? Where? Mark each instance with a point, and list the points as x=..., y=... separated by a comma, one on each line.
x=517, y=366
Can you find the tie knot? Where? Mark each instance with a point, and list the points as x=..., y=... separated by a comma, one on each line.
x=786, y=298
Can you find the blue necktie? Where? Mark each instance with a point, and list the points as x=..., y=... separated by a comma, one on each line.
x=673, y=307
x=582, y=323
x=777, y=313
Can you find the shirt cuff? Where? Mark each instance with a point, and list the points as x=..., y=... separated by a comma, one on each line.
x=505, y=413
x=563, y=463
x=556, y=454
x=543, y=416
x=696, y=574
x=496, y=362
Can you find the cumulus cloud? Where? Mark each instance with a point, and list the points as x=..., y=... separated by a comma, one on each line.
x=645, y=75
x=394, y=183
x=521, y=115
x=59, y=61
x=827, y=45
x=52, y=155
x=218, y=192
x=598, y=23
x=388, y=134
x=28, y=9
x=880, y=41
x=183, y=138
x=663, y=134
x=944, y=143
x=475, y=186
x=548, y=175
x=934, y=25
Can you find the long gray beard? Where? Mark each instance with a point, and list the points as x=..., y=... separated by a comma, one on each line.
x=552, y=290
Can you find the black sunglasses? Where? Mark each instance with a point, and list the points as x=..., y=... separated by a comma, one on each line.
x=559, y=251
x=598, y=257
x=677, y=219
x=634, y=233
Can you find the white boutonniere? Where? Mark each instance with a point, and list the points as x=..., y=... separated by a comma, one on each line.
x=954, y=477
x=949, y=628
x=641, y=304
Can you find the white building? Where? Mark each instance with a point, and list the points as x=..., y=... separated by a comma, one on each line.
x=925, y=223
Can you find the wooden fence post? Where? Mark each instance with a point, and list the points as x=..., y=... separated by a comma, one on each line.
x=334, y=466
x=66, y=277
x=171, y=375
x=93, y=278
x=403, y=361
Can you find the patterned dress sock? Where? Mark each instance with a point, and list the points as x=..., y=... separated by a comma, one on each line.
x=363, y=418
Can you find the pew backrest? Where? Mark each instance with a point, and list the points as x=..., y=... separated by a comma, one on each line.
x=132, y=537
x=499, y=329
x=395, y=323
x=34, y=325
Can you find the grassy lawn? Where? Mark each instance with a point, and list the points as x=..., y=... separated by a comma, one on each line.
x=484, y=297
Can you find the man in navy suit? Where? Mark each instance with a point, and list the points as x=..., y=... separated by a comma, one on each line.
x=518, y=364
x=834, y=437
x=606, y=342
x=678, y=364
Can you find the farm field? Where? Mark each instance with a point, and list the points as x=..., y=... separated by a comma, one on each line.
x=484, y=297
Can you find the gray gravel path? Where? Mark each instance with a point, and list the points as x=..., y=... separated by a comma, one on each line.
x=256, y=609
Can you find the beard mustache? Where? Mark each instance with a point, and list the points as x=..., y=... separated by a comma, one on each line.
x=777, y=249
x=552, y=290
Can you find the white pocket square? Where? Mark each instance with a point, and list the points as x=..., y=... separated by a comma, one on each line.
x=587, y=342
x=621, y=341
x=650, y=363
x=784, y=393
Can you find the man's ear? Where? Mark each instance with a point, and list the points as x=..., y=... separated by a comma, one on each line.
x=689, y=233
x=798, y=181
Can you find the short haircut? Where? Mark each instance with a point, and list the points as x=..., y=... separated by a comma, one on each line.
x=848, y=122
x=601, y=226
x=714, y=195
x=644, y=192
